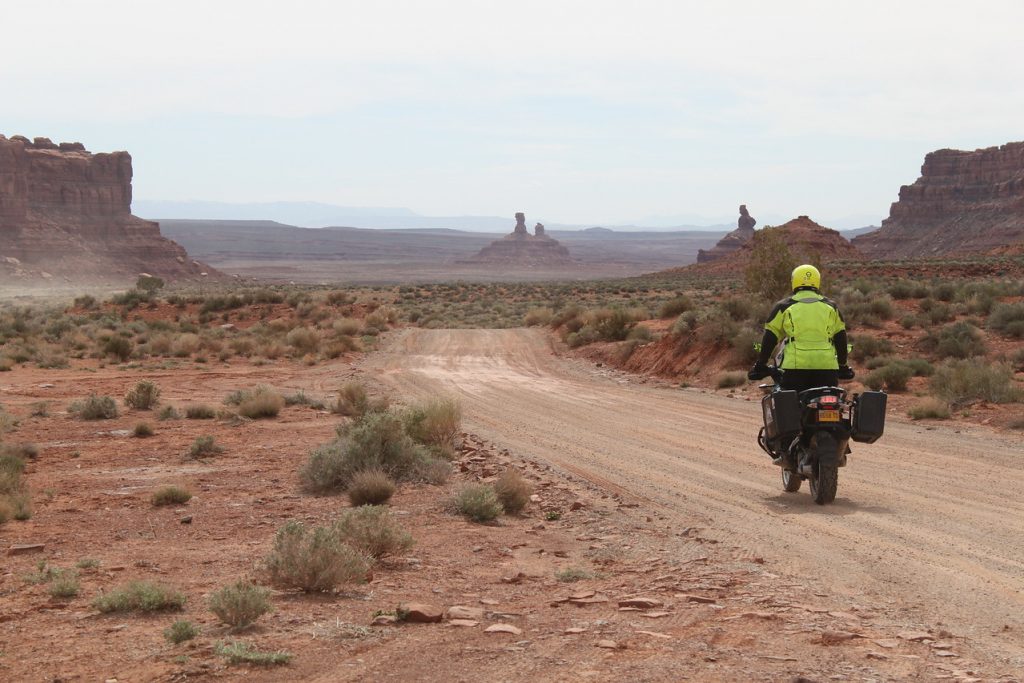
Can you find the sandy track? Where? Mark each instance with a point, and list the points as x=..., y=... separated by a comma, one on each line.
x=928, y=523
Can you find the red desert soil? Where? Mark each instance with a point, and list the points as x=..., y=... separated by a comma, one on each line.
x=914, y=573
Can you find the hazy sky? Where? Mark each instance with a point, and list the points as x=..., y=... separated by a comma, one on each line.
x=577, y=111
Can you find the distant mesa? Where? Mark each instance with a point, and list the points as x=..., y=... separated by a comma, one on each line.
x=65, y=212
x=733, y=241
x=520, y=248
x=963, y=203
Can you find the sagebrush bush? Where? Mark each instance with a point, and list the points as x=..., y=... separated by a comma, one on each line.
x=1008, y=319
x=142, y=430
x=370, y=487
x=963, y=381
x=262, y=402
x=143, y=396
x=892, y=376
x=372, y=530
x=727, y=380
x=959, y=340
x=240, y=604
x=94, y=408
x=865, y=347
x=244, y=653
x=352, y=400
x=168, y=413
x=140, y=596
x=675, y=306
x=314, y=559
x=478, y=502
x=538, y=316
x=65, y=585
x=119, y=347
x=513, y=491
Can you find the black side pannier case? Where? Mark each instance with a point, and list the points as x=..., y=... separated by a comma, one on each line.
x=781, y=414
x=868, y=417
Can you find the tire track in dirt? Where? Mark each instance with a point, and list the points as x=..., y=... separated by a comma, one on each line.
x=928, y=523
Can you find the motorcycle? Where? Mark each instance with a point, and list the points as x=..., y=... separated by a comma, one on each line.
x=808, y=434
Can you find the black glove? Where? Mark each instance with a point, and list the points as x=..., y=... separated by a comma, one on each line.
x=846, y=372
x=758, y=370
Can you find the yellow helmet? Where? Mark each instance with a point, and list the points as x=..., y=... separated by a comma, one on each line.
x=806, y=276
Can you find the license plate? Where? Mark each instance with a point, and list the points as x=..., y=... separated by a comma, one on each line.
x=829, y=415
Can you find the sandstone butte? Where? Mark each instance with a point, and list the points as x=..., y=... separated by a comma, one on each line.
x=66, y=212
x=805, y=239
x=964, y=202
x=729, y=244
x=520, y=248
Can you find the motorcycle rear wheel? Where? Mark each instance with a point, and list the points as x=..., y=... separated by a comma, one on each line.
x=791, y=481
x=824, y=483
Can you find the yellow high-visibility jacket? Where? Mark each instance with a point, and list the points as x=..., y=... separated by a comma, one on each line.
x=809, y=321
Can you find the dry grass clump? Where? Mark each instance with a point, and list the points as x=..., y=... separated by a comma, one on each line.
x=538, y=316
x=170, y=495
x=573, y=574
x=142, y=430
x=204, y=446
x=347, y=327
x=240, y=604
x=244, y=653
x=15, y=502
x=352, y=400
x=513, y=491
x=962, y=381
x=94, y=408
x=372, y=530
x=65, y=585
x=370, y=487
x=261, y=402
x=478, y=502
x=303, y=340
x=929, y=409
x=200, y=411
x=314, y=559
x=143, y=396
x=728, y=380
x=168, y=413
x=140, y=596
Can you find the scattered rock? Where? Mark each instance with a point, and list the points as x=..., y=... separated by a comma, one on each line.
x=488, y=601
x=655, y=615
x=420, y=613
x=697, y=598
x=515, y=578
x=837, y=637
x=26, y=548
x=462, y=612
x=642, y=603
x=577, y=505
x=582, y=595
x=608, y=644
x=917, y=636
x=503, y=628
x=887, y=643
x=384, y=620
x=655, y=634
x=574, y=630
x=466, y=623
x=187, y=519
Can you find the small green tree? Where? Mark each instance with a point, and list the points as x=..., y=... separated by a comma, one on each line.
x=149, y=283
x=771, y=265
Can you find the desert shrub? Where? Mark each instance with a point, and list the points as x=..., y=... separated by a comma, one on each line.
x=94, y=408
x=314, y=559
x=865, y=347
x=262, y=402
x=204, y=446
x=686, y=323
x=478, y=502
x=372, y=530
x=142, y=430
x=244, y=653
x=149, y=283
x=143, y=396
x=65, y=585
x=140, y=596
x=675, y=306
x=370, y=487
x=435, y=422
x=737, y=307
x=200, y=411
x=726, y=380
x=180, y=631
x=586, y=335
x=959, y=340
x=717, y=327
x=24, y=451
x=573, y=574
x=744, y=351
x=119, y=347
x=538, y=316
x=513, y=491
x=929, y=408
x=609, y=324
x=170, y=495
x=352, y=400
x=1008, y=319
x=240, y=604
x=168, y=413
x=893, y=377
x=640, y=333
x=185, y=345
x=86, y=301
x=304, y=340
x=972, y=379
x=347, y=327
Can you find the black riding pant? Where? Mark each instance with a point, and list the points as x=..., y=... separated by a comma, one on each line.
x=799, y=380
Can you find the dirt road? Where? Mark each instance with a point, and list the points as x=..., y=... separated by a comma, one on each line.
x=928, y=523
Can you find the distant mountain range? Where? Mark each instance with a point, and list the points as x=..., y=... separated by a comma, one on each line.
x=319, y=215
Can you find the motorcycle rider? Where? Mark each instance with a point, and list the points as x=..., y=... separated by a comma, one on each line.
x=815, y=334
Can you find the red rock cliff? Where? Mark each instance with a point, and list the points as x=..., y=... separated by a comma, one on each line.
x=68, y=211
x=964, y=202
